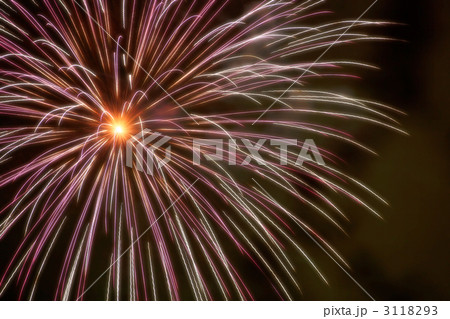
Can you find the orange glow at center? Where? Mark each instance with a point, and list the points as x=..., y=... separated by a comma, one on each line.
x=119, y=129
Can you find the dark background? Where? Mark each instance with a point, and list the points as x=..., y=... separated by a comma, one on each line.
x=406, y=256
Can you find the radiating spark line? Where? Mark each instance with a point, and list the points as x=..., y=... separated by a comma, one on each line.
x=137, y=239
x=317, y=60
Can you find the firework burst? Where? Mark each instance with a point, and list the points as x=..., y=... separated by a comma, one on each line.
x=78, y=79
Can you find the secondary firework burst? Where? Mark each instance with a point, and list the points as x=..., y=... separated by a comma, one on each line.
x=79, y=78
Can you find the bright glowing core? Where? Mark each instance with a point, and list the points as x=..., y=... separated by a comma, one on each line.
x=118, y=129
